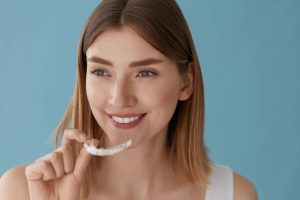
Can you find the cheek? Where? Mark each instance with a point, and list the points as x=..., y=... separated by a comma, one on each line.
x=162, y=98
x=168, y=103
x=165, y=96
x=95, y=93
x=165, y=91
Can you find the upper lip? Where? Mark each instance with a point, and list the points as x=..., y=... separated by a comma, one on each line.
x=125, y=114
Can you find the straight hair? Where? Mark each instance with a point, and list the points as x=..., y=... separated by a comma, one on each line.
x=162, y=24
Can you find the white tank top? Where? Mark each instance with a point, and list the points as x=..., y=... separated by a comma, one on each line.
x=221, y=187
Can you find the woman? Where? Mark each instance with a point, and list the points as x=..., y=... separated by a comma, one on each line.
x=138, y=78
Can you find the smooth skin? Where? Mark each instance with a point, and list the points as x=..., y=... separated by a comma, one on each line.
x=141, y=173
x=15, y=178
x=57, y=175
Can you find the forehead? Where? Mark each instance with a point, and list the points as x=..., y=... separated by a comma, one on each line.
x=122, y=43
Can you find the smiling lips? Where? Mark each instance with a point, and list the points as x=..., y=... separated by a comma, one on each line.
x=126, y=121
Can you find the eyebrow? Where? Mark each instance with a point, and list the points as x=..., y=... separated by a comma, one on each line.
x=140, y=63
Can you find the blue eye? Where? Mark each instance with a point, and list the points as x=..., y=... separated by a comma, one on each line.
x=146, y=73
x=99, y=72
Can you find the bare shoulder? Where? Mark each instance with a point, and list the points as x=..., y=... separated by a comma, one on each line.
x=243, y=188
x=13, y=184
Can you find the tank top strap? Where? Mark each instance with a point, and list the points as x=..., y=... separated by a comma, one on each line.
x=221, y=183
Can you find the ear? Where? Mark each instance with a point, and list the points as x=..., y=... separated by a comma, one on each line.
x=187, y=86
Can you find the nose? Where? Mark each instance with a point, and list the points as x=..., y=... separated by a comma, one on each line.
x=122, y=94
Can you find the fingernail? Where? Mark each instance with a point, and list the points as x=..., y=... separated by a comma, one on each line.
x=82, y=137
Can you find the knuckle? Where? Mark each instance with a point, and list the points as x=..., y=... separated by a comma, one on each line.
x=59, y=149
x=54, y=156
x=67, y=132
x=28, y=169
x=71, y=134
x=57, y=157
x=44, y=165
x=70, y=131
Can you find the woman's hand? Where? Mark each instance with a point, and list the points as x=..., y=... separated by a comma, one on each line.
x=59, y=175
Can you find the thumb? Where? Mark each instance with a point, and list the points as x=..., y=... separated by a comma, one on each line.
x=82, y=162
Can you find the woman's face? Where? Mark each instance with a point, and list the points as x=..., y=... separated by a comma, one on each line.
x=131, y=87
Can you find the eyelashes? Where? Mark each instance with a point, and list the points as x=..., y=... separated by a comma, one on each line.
x=99, y=72
x=142, y=73
x=146, y=73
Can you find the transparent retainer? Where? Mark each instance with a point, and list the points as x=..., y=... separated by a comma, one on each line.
x=91, y=149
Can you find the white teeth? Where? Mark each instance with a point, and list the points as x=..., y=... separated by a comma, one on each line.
x=125, y=120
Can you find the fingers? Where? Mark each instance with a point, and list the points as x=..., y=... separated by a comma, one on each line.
x=61, y=165
x=40, y=171
x=63, y=159
x=68, y=158
x=35, y=174
x=71, y=135
x=59, y=162
x=82, y=162
x=51, y=166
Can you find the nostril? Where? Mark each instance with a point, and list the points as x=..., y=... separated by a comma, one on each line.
x=122, y=101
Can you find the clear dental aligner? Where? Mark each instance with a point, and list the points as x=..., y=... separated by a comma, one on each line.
x=91, y=149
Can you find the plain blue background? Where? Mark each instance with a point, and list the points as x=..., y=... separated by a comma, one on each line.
x=249, y=52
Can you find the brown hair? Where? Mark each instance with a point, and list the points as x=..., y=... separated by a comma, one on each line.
x=162, y=24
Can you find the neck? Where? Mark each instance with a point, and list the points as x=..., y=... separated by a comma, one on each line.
x=140, y=171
